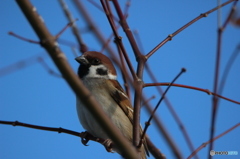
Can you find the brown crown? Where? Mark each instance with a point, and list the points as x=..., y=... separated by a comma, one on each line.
x=93, y=55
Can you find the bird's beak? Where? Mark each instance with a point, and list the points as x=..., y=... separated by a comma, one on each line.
x=82, y=60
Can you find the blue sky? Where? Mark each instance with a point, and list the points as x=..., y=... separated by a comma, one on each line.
x=32, y=95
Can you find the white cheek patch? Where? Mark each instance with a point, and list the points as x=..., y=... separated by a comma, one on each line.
x=93, y=73
x=111, y=76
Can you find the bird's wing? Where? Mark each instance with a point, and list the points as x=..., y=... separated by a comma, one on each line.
x=123, y=101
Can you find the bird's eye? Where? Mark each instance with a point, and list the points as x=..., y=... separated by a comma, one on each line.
x=95, y=61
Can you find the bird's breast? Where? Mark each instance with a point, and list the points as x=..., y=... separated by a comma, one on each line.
x=109, y=106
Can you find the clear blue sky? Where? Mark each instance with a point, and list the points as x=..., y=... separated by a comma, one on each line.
x=32, y=95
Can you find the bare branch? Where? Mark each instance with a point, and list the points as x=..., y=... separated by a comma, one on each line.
x=154, y=151
x=147, y=124
x=166, y=135
x=21, y=64
x=175, y=116
x=127, y=29
x=49, y=70
x=64, y=29
x=84, y=12
x=118, y=39
x=216, y=76
x=228, y=68
x=49, y=43
x=191, y=87
x=59, y=130
x=170, y=36
x=212, y=140
x=22, y=38
x=75, y=30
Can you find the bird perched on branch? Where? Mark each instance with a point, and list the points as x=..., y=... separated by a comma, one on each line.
x=99, y=75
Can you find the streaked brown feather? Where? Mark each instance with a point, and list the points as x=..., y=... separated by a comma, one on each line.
x=123, y=101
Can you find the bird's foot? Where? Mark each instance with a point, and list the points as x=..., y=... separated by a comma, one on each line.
x=85, y=137
x=108, y=144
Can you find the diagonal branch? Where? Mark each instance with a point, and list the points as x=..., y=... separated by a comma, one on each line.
x=175, y=117
x=118, y=38
x=210, y=141
x=75, y=30
x=170, y=36
x=51, y=46
x=147, y=124
x=166, y=135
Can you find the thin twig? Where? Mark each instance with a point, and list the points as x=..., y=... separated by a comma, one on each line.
x=22, y=38
x=173, y=147
x=21, y=64
x=137, y=81
x=216, y=76
x=147, y=124
x=169, y=106
x=154, y=150
x=49, y=70
x=126, y=29
x=148, y=100
x=191, y=87
x=93, y=27
x=125, y=74
x=64, y=29
x=166, y=136
x=118, y=39
x=54, y=129
x=75, y=30
x=170, y=36
x=228, y=68
x=68, y=43
x=137, y=78
x=210, y=141
x=175, y=117
x=101, y=9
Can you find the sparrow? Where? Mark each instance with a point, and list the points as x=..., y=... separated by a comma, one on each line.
x=99, y=75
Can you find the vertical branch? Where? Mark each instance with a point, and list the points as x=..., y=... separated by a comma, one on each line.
x=172, y=111
x=228, y=68
x=118, y=39
x=126, y=28
x=124, y=73
x=138, y=83
x=216, y=76
x=166, y=135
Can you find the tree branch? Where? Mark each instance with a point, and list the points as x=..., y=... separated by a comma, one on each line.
x=191, y=87
x=210, y=141
x=51, y=46
x=170, y=36
x=216, y=76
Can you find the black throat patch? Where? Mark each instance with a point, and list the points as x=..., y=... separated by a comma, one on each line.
x=83, y=71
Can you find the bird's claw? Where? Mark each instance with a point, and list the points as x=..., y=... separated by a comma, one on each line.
x=84, y=138
x=108, y=145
